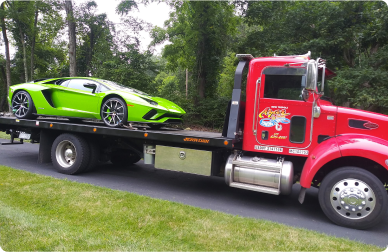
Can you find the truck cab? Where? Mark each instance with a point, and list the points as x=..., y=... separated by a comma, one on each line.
x=292, y=133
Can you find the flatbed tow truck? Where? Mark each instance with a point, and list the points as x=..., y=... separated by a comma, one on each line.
x=285, y=132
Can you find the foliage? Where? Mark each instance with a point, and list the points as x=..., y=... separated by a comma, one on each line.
x=130, y=68
x=197, y=32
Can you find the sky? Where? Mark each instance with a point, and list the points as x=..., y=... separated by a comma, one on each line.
x=154, y=13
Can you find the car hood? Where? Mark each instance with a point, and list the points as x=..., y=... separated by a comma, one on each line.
x=168, y=105
x=172, y=107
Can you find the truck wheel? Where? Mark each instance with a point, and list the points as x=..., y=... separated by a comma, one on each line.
x=124, y=157
x=94, y=155
x=70, y=154
x=353, y=197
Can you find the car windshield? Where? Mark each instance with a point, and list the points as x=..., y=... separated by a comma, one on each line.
x=121, y=86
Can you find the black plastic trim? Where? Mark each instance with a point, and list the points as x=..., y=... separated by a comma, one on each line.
x=150, y=114
x=358, y=124
x=47, y=95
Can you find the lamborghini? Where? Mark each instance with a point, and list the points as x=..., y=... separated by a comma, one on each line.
x=80, y=98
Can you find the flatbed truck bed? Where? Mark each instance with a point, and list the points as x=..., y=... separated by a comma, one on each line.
x=173, y=136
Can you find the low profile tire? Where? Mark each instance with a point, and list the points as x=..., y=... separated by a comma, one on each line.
x=22, y=105
x=124, y=157
x=114, y=112
x=353, y=197
x=70, y=154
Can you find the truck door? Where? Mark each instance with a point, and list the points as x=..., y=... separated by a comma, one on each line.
x=283, y=119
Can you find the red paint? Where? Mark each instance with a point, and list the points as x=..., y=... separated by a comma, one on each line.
x=370, y=125
x=333, y=121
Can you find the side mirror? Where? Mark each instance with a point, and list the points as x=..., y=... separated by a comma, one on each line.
x=305, y=94
x=311, y=83
x=323, y=79
x=91, y=86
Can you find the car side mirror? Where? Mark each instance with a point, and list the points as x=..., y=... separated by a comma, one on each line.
x=91, y=86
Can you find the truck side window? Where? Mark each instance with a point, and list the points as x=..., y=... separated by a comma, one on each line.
x=284, y=82
x=287, y=87
x=297, y=129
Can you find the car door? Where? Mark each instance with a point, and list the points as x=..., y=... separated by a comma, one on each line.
x=283, y=119
x=76, y=100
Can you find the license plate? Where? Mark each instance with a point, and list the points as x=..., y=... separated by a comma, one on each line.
x=23, y=135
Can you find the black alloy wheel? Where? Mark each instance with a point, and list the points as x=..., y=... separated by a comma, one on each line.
x=114, y=112
x=22, y=105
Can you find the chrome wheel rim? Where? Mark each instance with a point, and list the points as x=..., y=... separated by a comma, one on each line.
x=66, y=154
x=20, y=104
x=113, y=112
x=352, y=199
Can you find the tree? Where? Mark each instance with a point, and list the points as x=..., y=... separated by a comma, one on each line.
x=198, y=33
x=72, y=37
x=6, y=43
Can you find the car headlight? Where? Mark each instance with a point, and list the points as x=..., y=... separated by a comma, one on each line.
x=150, y=101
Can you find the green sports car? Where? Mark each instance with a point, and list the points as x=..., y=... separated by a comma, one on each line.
x=80, y=98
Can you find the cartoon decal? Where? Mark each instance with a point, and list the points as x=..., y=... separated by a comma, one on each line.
x=274, y=117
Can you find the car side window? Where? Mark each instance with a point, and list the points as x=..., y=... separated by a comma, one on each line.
x=79, y=84
x=64, y=83
x=103, y=89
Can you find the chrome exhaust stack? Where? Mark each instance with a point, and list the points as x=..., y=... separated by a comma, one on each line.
x=259, y=174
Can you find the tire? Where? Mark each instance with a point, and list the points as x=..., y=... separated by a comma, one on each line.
x=124, y=157
x=94, y=155
x=22, y=105
x=70, y=154
x=353, y=197
x=118, y=116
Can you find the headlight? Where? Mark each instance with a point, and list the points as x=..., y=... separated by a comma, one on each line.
x=150, y=101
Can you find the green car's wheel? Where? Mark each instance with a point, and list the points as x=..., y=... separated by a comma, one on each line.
x=22, y=105
x=114, y=112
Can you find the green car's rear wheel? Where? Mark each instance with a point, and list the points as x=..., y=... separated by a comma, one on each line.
x=22, y=105
x=114, y=112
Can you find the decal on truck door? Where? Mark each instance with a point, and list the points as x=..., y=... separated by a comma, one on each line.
x=274, y=117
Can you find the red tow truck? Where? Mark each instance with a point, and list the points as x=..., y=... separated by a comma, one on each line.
x=285, y=132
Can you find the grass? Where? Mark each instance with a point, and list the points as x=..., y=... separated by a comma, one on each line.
x=43, y=213
x=5, y=136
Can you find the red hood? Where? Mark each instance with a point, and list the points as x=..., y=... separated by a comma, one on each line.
x=363, y=122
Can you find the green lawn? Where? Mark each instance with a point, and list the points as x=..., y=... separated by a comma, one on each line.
x=43, y=213
x=3, y=135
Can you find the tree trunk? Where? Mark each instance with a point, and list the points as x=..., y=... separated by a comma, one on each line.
x=187, y=81
x=24, y=54
x=7, y=57
x=3, y=98
x=72, y=41
x=33, y=41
